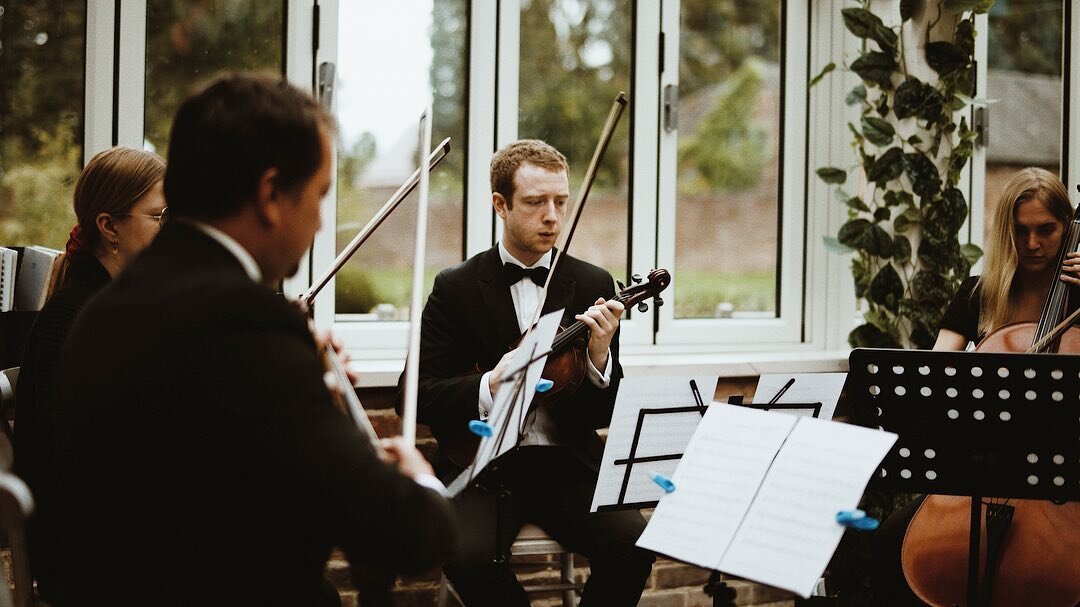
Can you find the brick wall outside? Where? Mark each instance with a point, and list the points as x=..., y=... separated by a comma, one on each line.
x=672, y=584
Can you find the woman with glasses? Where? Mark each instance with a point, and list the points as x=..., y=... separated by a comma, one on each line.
x=120, y=205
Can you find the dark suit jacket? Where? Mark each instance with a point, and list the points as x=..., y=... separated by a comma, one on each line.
x=35, y=412
x=200, y=458
x=469, y=322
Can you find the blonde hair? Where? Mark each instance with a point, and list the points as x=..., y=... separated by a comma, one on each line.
x=999, y=274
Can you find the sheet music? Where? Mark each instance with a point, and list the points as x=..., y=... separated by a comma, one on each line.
x=737, y=509
x=715, y=483
x=510, y=405
x=790, y=532
x=821, y=388
x=661, y=434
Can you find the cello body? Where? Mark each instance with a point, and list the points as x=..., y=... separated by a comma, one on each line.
x=1039, y=561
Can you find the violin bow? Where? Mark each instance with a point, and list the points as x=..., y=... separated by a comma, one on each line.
x=402, y=192
x=617, y=108
x=412, y=360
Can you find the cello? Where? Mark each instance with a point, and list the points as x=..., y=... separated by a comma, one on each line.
x=1032, y=552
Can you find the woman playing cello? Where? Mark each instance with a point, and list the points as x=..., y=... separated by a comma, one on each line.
x=1030, y=224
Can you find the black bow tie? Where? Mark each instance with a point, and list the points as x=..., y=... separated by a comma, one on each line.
x=512, y=273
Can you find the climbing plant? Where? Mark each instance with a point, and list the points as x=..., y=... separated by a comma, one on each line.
x=912, y=142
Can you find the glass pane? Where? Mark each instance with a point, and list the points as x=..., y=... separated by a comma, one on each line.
x=575, y=57
x=421, y=46
x=727, y=211
x=1024, y=70
x=42, y=56
x=189, y=42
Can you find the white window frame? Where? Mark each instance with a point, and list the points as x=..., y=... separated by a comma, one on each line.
x=787, y=327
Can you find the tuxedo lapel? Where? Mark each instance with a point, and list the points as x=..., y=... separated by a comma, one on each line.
x=498, y=303
x=561, y=295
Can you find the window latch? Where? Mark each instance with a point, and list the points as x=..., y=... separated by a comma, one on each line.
x=981, y=123
x=671, y=107
x=326, y=84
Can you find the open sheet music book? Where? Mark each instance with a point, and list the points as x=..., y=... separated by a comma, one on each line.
x=757, y=494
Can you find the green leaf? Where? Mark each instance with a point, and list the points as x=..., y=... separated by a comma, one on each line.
x=901, y=224
x=861, y=276
x=856, y=95
x=880, y=318
x=950, y=211
x=866, y=235
x=855, y=133
x=857, y=203
x=877, y=131
x=835, y=246
x=883, y=106
x=890, y=166
x=859, y=21
x=914, y=140
x=962, y=6
x=923, y=174
x=965, y=36
x=901, y=248
x=885, y=37
x=869, y=336
x=832, y=175
x=907, y=9
x=825, y=70
x=945, y=57
x=931, y=285
x=886, y=289
x=876, y=69
x=881, y=214
x=916, y=98
x=971, y=253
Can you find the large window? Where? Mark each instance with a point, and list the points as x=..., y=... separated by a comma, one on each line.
x=42, y=63
x=729, y=165
x=1024, y=87
x=189, y=43
x=391, y=58
x=574, y=58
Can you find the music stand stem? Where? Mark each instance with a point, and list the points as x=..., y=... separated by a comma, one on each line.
x=973, y=553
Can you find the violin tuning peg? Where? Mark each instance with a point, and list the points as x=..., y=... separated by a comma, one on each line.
x=636, y=278
x=659, y=301
x=622, y=287
x=643, y=307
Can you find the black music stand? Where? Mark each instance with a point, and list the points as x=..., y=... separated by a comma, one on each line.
x=486, y=479
x=972, y=424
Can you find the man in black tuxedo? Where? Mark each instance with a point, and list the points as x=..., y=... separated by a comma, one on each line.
x=201, y=459
x=476, y=310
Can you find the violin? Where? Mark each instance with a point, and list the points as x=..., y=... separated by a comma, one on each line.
x=565, y=366
x=1032, y=552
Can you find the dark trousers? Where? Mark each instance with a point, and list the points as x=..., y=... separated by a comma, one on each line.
x=551, y=488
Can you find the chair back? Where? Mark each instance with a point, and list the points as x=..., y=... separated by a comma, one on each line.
x=16, y=504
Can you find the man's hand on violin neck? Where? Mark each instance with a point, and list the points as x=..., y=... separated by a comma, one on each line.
x=602, y=319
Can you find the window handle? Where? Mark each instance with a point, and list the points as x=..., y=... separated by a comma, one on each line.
x=326, y=84
x=671, y=107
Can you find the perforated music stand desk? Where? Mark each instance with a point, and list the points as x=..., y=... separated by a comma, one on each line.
x=972, y=424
